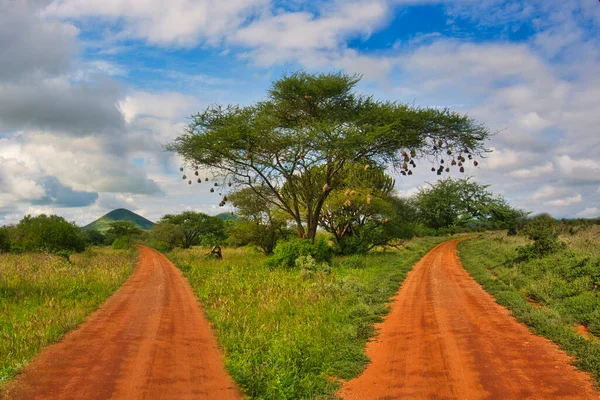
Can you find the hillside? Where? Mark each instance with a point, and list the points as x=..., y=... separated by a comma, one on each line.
x=120, y=214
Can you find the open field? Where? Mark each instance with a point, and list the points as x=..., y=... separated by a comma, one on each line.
x=291, y=333
x=557, y=296
x=43, y=296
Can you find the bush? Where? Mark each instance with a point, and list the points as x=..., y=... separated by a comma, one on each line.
x=286, y=253
x=542, y=230
x=47, y=233
x=121, y=244
x=4, y=240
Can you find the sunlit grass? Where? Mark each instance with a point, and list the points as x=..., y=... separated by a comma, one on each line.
x=44, y=296
x=292, y=335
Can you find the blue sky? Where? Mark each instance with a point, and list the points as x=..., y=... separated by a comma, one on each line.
x=91, y=90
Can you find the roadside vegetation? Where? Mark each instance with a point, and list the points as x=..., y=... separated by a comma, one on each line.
x=292, y=332
x=43, y=296
x=549, y=277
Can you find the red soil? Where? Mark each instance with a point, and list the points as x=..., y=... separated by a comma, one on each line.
x=150, y=340
x=446, y=338
x=584, y=331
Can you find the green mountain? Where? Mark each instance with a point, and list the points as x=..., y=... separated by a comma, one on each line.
x=120, y=214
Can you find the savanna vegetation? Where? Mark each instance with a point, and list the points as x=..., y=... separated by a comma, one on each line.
x=292, y=332
x=43, y=296
x=303, y=144
x=548, y=276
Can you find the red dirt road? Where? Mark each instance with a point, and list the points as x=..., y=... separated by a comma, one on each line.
x=446, y=338
x=149, y=341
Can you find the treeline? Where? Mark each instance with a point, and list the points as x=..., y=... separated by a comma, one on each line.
x=363, y=214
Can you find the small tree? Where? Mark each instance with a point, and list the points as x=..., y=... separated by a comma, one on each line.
x=93, y=237
x=461, y=202
x=197, y=228
x=260, y=223
x=124, y=232
x=307, y=130
x=166, y=235
x=47, y=233
x=364, y=213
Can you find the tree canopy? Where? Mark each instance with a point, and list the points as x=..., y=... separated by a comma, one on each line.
x=291, y=148
x=46, y=233
x=260, y=223
x=460, y=202
x=196, y=228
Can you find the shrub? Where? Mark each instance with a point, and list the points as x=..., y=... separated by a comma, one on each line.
x=4, y=240
x=286, y=253
x=121, y=244
x=47, y=233
x=542, y=230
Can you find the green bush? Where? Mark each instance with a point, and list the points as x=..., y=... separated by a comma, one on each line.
x=4, y=240
x=286, y=253
x=49, y=233
x=542, y=230
x=121, y=244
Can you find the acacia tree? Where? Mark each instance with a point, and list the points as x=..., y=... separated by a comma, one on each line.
x=458, y=202
x=196, y=227
x=310, y=121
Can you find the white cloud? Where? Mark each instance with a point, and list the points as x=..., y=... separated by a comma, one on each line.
x=581, y=170
x=533, y=172
x=567, y=201
x=589, y=212
x=164, y=105
x=545, y=192
x=177, y=22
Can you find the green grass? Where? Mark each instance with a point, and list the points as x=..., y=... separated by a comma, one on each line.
x=43, y=296
x=550, y=295
x=290, y=334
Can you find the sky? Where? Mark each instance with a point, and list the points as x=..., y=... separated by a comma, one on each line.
x=90, y=91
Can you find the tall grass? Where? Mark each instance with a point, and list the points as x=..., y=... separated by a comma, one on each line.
x=44, y=296
x=289, y=333
x=553, y=295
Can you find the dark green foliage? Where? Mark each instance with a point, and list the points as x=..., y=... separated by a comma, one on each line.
x=311, y=123
x=286, y=253
x=93, y=237
x=196, y=228
x=260, y=224
x=47, y=233
x=165, y=236
x=4, y=239
x=103, y=223
x=542, y=230
x=127, y=231
x=450, y=203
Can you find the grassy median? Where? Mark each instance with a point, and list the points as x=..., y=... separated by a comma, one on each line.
x=293, y=334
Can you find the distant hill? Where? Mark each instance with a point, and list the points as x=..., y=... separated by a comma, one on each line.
x=120, y=214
